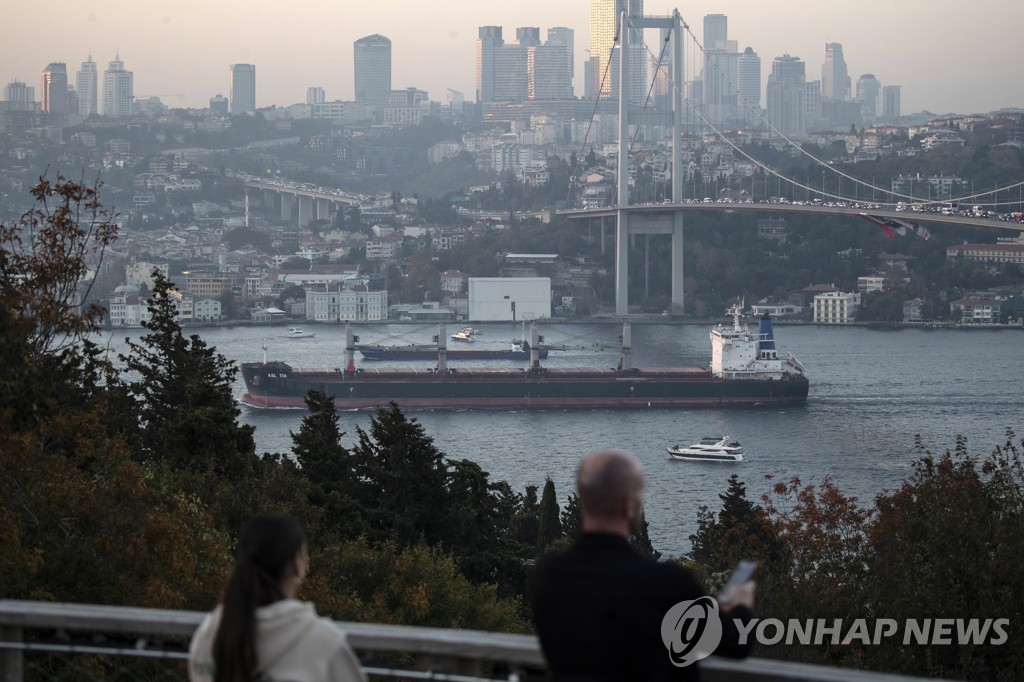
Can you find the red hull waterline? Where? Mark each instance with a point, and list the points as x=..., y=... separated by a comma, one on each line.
x=296, y=403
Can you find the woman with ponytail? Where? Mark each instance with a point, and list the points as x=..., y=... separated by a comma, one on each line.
x=260, y=632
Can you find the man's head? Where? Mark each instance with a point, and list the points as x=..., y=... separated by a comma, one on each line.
x=610, y=484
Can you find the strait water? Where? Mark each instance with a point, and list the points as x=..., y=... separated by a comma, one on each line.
x=871, y=392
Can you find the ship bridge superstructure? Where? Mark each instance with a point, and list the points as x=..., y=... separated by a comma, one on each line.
x=739, y=353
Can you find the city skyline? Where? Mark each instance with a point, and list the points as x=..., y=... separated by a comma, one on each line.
x=907, y=44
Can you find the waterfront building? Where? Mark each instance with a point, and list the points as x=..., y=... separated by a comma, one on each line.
x=87, y=85
x=53, y=90
x=118, y=90
x=786, y=95
x=835, y=79
x=836, y=307
x=242, y=89
x=372, y=62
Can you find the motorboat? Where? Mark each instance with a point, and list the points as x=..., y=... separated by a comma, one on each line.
x=298, y=333
x=463, y=336
x=709, y=449
x=471, y=331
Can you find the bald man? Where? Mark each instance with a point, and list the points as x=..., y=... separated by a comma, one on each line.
x=599, y=605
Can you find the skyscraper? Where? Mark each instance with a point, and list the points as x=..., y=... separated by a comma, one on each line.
x=118, y=90
x=869, y=94
x=748, y=85
x=721, y=66
x=835, y=79
x=786, y=95
x=891, y=103
x=565, y=37
x=53, y=90
x=604, y=24
x=488, y=40
x=372, y=59
x=19, y=97
x=86, y=83
x=716, y=30
x=242, y=88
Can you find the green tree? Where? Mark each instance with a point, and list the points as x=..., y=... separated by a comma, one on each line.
x=549, y=527
x=641, y=539
x=328, y=467
x=403, y=479
x=185, y=406
x=572, y=517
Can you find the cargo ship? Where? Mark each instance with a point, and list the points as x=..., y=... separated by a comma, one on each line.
x=746, y=370
x=518, y=351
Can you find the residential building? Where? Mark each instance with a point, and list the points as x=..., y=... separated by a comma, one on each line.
x=372, y=63
x=786, y=94
x=118, y=90
x=386, y=249
x=242, y=89
x=208, y=285
x=454, y=281
x=772, y=228
x=993, y=254
x=974, y=310
x=835, y=79
x=913, y=310
x=836, y=307
x=53, y=90
x=86, y=84
x=315, y=95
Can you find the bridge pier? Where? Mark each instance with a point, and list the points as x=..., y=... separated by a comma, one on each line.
x=286, y=207
x=677, y=264
x=305, y=209
x=323, y=209
x=622, y=263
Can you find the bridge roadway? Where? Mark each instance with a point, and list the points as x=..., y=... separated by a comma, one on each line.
x=308, y=201
x=817, y=209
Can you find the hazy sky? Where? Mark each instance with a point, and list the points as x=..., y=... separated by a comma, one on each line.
x=949, y=56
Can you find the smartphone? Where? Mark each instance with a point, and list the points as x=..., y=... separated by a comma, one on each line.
x=743, y=572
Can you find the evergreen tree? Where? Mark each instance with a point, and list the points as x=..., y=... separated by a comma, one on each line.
x=403, y=478
x=641, y=540
x=186, y=410
x=572, y=517
x=328, y=466
x=549, y=528
x=739, y=531
x=527, y=518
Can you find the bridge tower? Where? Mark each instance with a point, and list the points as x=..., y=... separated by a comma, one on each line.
x=633, y=221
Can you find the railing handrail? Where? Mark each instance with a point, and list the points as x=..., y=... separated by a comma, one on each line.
x=435, y=642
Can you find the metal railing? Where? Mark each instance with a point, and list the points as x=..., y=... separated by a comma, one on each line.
x=47, y=640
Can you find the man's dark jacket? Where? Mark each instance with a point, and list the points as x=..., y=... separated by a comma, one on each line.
x=598, y=608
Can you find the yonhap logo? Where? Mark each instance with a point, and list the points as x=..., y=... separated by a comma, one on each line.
x=691, y=630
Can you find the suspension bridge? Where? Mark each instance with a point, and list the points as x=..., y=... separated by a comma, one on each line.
x=898, y=212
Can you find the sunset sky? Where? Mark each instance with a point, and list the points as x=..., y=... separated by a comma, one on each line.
x=948, y=56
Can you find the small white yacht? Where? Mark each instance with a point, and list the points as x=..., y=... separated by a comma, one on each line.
x=463, y=336
x=297, y=333
x=709, y=449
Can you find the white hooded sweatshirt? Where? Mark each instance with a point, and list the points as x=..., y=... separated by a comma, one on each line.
x=293, y=645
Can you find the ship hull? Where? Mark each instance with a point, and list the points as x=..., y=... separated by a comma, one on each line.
x=276, y=385
x=399, y=354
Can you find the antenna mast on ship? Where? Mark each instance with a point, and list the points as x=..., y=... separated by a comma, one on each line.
x=627, y=347
x=442, y=347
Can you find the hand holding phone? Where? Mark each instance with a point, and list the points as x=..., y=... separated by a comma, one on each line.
x=743, y=572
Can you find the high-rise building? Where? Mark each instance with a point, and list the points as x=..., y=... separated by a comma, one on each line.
x=19, y=97
x=835, y=79
x=488, y=40
x=87, y=85
x=716, y=30
x=315, y=95
x=118, y=90
x=548, y=72
x=565, y=37
x=53, y=90
x=869, y=94
x=891, y=103
x=748, y=86
x=219, y=105
x=242, y=89
x=528, y=36
x=511, y=74
x=721, y=67
x=786, y=95
x=604, y=25
x=372, y=59
x=813, y=113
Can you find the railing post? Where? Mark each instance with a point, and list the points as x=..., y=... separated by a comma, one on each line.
x=10, y=659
